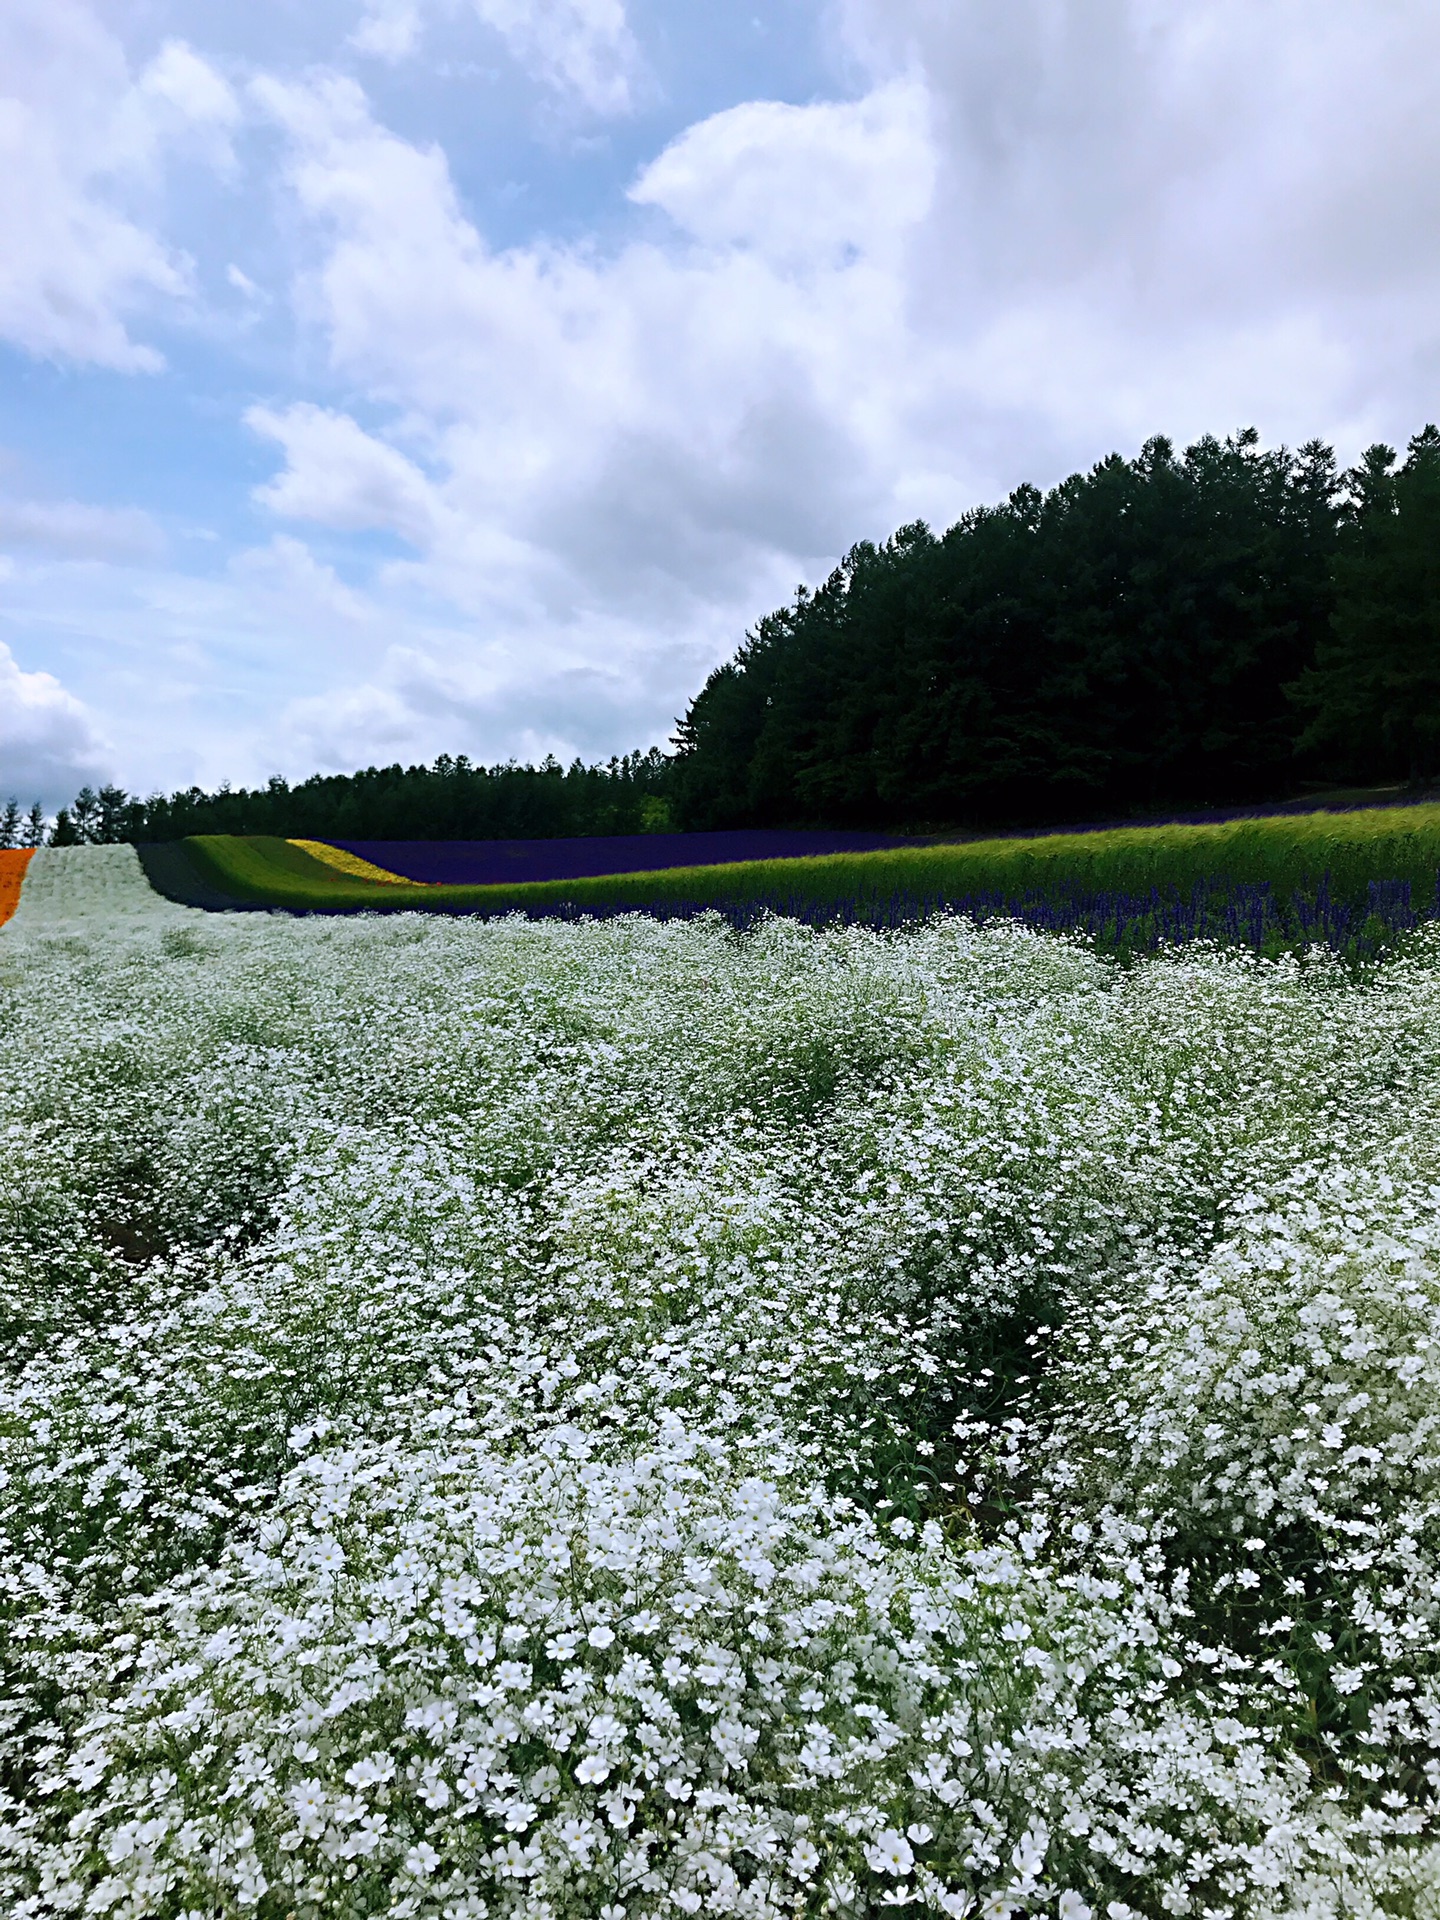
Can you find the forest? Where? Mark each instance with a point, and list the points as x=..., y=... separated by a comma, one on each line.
x=1177, y=630
x=1210, y=627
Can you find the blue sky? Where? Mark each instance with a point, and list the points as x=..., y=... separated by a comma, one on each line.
x=387, y=377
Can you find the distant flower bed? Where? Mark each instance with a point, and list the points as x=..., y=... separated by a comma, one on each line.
x=1355, y=883
x=488, y=863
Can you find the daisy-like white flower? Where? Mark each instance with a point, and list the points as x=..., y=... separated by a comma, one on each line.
x=890, y=1852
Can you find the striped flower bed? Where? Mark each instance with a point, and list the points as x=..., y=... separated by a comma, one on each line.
x=1358, y=883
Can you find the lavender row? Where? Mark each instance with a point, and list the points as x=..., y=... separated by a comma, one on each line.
x=1253, y=916
x=519, y=862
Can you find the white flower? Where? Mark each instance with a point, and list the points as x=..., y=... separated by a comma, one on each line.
x=422, y=1860
x=804, y=1858
x=372, y=1770
x=890, y=1852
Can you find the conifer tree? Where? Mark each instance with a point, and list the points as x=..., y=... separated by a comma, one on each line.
x=1374, y=692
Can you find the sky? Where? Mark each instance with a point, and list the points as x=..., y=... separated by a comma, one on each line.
x=383, y=378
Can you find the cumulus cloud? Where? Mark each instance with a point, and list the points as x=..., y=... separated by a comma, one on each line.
x=287, y=575
x=339, y=474
x=581, y=47
x=1028, y=239
x=75, y=126
x=180, y=101
x=50, y=743
x=801, y=185
x=660, y=428
x=390, y=29
x=1186, y=218
x=1003, y=257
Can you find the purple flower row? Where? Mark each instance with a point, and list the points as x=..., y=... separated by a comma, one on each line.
x=491, y=862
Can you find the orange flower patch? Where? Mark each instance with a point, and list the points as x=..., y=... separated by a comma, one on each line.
x=13, y=862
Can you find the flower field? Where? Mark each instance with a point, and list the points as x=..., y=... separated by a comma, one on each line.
x=595, y=1419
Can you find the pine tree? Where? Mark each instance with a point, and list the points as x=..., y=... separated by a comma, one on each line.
x=113, y=815
x=10, y=823
x=1374, y=692
x=85, y=814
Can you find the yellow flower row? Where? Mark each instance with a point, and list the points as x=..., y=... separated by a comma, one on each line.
x=350, y=863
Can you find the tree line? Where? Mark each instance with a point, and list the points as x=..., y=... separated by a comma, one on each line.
x=1177, y=630
x=1184, y=629
x=451, y=800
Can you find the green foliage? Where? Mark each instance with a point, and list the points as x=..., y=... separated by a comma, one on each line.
x=1374, y=691
x=92, y=819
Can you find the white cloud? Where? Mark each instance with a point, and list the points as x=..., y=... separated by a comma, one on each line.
x=50, y=743
x=801, y=185
x=180, y=100
x=583, y=50
x=580, y=47
x=687, y=420
x=439, y=697
x=190, y=85
x=78, y=531
x=1200, y=215
x=390, y=29
x=75, y=264
x=1033, y=235
x=301, y=589
x=340, y=475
